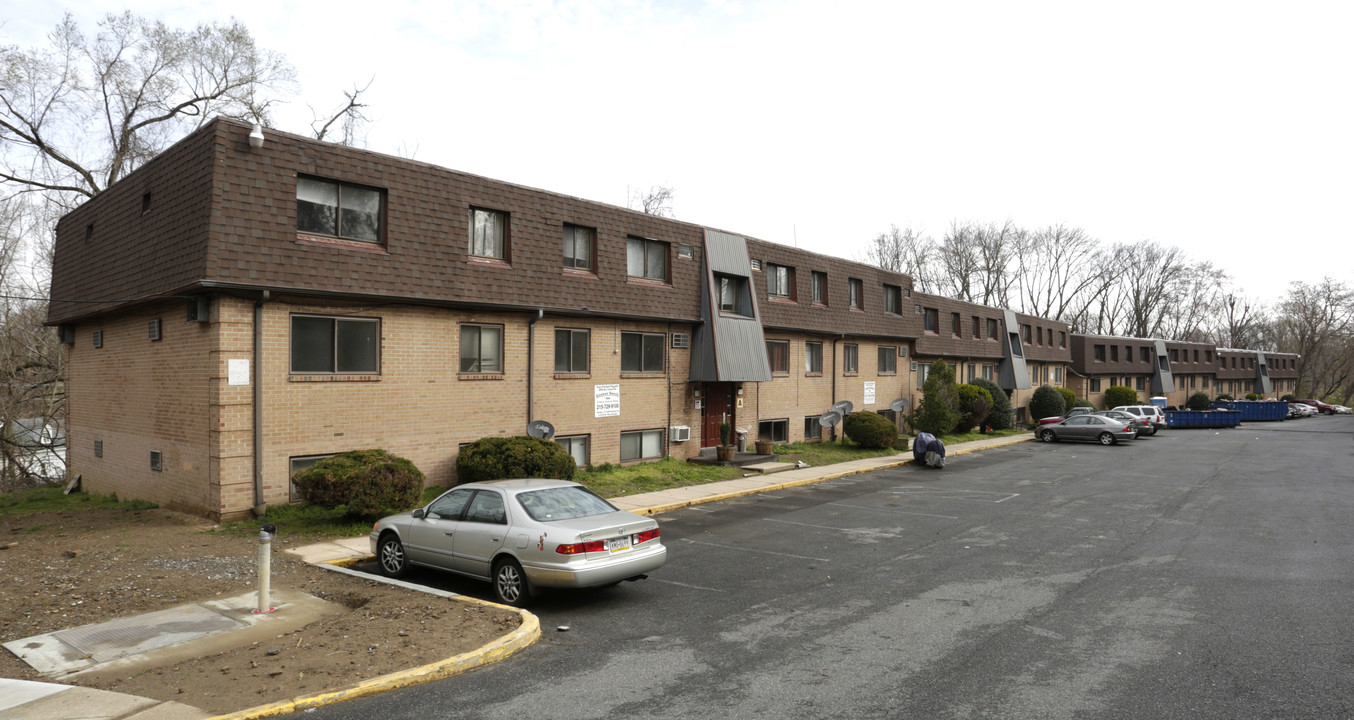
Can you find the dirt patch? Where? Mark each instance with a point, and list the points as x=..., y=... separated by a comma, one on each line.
x=65, y=570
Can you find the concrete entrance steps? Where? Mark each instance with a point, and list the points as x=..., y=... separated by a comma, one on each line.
x=766, y=468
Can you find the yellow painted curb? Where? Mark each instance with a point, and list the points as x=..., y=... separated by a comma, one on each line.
x=523, y=637
x=668, y=507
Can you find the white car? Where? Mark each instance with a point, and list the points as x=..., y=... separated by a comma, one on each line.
x=1153, y=414
x=1303, y=409
x=1342, y=409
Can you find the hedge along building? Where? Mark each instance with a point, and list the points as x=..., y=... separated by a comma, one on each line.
x=234, y=311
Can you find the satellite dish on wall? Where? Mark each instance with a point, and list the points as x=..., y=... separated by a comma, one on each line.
x=843, y=406
x=830, y=418
x=540, y=429
x=900, y=405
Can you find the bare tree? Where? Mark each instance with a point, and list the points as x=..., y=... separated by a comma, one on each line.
x=348, y=116
x=657, y=200
x=973, y=259
x=1194, y=302
x=1316, y=321
x=904, y=251
x=1059, y=273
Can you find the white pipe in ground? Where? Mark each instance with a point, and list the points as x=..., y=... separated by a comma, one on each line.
x=265, y=567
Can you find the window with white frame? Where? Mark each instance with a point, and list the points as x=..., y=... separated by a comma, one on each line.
x=888, y=359
x=481, y=348
x=577, y=447
x=820, y=288
x=325, y=207
x=734, y=297
x=488, y=234
x=813, y=357
x=778, y=355
x=642, y=352
x=813, y=430
x=850, y=358
x=646, y=258
x=893, y=299
x=335, y=345
x=571, y=350
x=773, y=430
x=579, y=242
x=641, y=445
x=923, y=369
x=297, y=464
x=780, y=281
x=855, y=294
x=931, y=320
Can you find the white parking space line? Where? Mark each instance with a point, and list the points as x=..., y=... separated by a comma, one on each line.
x=1008, y=497
x=892, y=511
x=746, y=549
x=686, y=585
x=949, y=493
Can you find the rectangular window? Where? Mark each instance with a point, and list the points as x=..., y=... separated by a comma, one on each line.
x=855, y=294
x=991, y=329
x=931, y=320
x=734, y=297
x=1095, y=384
x=987, y=372
x=972, y=372
x=813, y=357
x=481, y=348
x=488, y=234
x=297, y=464
x=642, y=352
x=773, y=431
x=888, y=359
x=778, y=354
x=646, y=258
x=571, y=350
x=820, y=288
x=1114, y=353
x=1208, y=357
x=1206, y=381
x=1145, y=354
x=1098, y=353
x=850, y=358
x=1025, y=334
x=955, y=327
x=333, y=345
x=780, y=281
x=813, y=430
x=1175, y=356
x=579, y=242
x=1058, y=374
x=923, y=369
x=1062, y=339
x=1141, y=382
x=338, y=209
x=1196, y=356
x=577, y=446
x=642, y=445
x=98, y=338
x=893, y=299
x=977, y=328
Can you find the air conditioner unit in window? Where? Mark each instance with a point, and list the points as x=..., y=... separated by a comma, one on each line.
x=679, y=433
x=914, y=366
x=681, y=340
x=902, y=351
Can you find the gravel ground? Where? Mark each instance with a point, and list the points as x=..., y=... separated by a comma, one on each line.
x=64, y=570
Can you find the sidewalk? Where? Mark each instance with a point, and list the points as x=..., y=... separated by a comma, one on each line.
x=25, y=700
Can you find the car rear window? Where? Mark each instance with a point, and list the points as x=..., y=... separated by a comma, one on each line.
x=563, y=503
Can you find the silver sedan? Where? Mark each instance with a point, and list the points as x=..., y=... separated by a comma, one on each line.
x=1094, y=428
x=521, y=534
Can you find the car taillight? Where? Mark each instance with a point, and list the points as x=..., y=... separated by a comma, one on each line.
x=583, y=547
x=1128, y=428
x=646, y=536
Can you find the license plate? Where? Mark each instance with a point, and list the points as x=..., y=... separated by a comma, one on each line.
x=620, y=543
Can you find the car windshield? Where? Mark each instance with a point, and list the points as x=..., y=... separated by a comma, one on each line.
x=562, y=503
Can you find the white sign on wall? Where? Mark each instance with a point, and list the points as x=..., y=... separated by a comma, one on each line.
x=606, y=400
x=869, y=393
x=237, y=372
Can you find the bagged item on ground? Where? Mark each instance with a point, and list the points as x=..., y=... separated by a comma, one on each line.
x=929, y=449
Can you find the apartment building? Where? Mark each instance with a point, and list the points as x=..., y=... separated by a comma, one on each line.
x=1174, y=369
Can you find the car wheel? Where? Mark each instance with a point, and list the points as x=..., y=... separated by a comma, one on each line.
x=510, y=584
x=1106, y=439
x=1047, y=436
x=390, y=554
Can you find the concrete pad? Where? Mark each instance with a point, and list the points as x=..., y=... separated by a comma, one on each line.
x=333, y=550
x=135, y=635
x=83, y=703
x=766, y=468
x=171, y=711
x=14, y=693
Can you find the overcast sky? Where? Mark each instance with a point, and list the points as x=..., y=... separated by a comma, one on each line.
x=1223, y=128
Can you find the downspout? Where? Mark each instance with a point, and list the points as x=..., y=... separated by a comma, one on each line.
x=260, y=507
x=531, y=350
x=667, y=432
x=832, y=435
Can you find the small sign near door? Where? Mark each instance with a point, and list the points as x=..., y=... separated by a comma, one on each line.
x=607, y=400
x=869, y=393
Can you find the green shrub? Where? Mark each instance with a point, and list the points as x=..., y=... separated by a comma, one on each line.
x=938, y=411
x=1069, y=399
x=1253, y=396
x=1000, y=417
x=367, y=483
x=494, y=458
x=1289, y=398
x=1120, y=395
x=1198, y=401
x=1046, y=402
x=974, y=405
x=870, y=430
x=1083, y=402
x=1225, y=398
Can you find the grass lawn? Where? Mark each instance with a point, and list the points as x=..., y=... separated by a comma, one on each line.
x=51, y=499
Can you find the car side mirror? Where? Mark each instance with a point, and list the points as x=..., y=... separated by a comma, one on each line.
x=417, y=513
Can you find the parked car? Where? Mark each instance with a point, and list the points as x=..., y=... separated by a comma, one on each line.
x=1323, y=408
x=520, y=535
x=1072, y=412
x=1140, y=423
x=1092, y=428
x=1304, y=410
x=1153, y=413
x=1342, y=410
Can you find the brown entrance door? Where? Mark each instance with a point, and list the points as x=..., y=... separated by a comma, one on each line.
x=718, y=403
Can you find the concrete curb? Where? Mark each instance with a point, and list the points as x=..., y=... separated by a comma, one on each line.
x=884, y=465
x=523, y=637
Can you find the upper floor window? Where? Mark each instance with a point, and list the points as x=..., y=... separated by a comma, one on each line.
x=642, y=352
x=977, y=328
x=338, y=209
x=733, y=293
x=850, y=358
x=820, y=288
x=579, y=242
x=1114, y=353
x=855, y=295
x=1145, y=354
x=335, y=345
x=780, y=281
x=991, y=329
x=888, y=359
x=1025, y=333
x=778, y=355
x=481, y=348
x=1062, y=338
x=1175, y=356
x=955, y=327
x=931, y=320
x=1098, y=353
x=813, y=357
x=488, y=234
x=571, y=350
x=893, y=299
x=646, y=258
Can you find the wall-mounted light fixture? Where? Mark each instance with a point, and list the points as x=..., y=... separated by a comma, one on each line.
x=256, y=136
